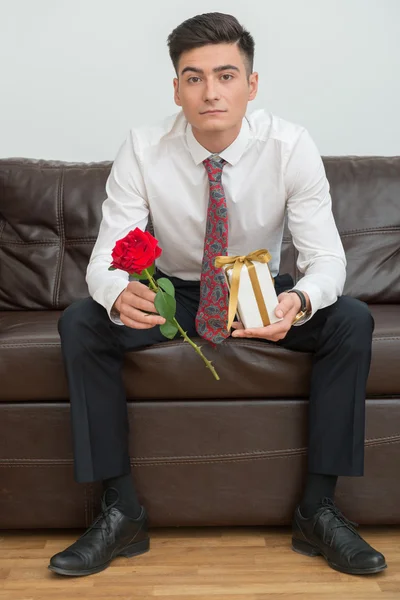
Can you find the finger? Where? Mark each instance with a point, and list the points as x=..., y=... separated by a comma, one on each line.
x=283, y=307
x=249, y=334
x=286, y=304
x=237, y=325
x=268, y=333
x=139, y=289
x=131, y=298
x=134, y=324
x=137, y=315
x=141, y=303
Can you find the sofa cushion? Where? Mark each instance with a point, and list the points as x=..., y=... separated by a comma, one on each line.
x=31, y=367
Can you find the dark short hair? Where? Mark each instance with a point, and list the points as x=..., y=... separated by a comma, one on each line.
x=210, y=28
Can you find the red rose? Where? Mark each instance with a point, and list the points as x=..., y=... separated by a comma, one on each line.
x=135, y=252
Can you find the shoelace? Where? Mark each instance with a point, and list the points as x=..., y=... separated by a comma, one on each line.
x=105, y=513
x=344, y=521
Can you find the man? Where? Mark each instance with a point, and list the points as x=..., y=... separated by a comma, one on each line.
x=262, y=166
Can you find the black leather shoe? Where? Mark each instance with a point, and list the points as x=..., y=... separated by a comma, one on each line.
x=112, y=534
x=330, y=534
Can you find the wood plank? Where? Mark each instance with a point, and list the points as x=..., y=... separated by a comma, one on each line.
x=196, y=564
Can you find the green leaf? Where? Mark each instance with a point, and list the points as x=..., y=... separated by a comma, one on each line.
x=168, y=330
x=112, y=268
x=167, y=286
x=165, y=305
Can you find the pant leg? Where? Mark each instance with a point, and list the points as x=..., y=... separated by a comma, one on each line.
x=93, y=350
x=339, y=337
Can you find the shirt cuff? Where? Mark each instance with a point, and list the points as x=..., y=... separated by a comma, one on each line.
x=314, y=293
x=109, y=296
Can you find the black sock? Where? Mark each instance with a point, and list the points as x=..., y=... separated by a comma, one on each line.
x=128, y=502
x=317, y=487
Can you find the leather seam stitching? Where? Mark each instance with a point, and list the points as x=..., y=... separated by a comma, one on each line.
x=180, y=343
x=3, y=195
x=242, y=342
x=61, y=233
x=213, y=458
x=372, y=231
x=56, y=242
x=69, y=166
x=52, y=344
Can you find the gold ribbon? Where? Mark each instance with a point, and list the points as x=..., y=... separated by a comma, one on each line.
x=236, y=263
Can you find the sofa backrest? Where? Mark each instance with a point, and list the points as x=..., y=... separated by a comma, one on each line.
x=50, y=214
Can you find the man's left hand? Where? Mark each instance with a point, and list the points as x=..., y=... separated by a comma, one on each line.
x=288, y=307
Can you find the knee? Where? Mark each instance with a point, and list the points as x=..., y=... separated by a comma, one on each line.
x=79, y=317
x=355, y=316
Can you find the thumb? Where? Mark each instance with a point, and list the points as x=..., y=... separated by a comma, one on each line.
x=284, y=306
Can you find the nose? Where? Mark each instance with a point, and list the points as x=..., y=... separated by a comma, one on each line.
x=211, y=91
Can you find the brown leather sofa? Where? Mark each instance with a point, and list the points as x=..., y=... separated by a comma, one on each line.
x=203, y=452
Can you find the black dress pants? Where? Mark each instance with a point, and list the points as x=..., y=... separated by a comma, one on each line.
x=93, y=348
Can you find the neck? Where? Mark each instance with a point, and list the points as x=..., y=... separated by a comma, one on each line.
x=216, y=142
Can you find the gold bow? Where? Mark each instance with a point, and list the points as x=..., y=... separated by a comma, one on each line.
x=236, y=263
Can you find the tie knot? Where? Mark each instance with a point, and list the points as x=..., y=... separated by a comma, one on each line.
x=214, y=165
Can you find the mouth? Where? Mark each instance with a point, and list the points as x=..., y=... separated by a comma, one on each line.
x=213, y=112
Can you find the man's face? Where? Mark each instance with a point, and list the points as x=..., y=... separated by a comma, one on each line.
x=213, y=88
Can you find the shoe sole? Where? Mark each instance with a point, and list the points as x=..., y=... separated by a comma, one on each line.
x=128, y=552
x=307, y=549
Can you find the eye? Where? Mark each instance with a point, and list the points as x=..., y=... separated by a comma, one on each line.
x=227, y=76
x=192, y=79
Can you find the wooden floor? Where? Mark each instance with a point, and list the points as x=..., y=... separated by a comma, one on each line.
x=197, y=564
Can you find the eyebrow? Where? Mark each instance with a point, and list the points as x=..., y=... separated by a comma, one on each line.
x=215, y=70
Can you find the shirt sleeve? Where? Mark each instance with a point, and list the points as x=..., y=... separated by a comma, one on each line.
x=125, y=208
x=321, y=257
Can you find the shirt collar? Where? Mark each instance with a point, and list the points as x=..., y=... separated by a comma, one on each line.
x=231, y=154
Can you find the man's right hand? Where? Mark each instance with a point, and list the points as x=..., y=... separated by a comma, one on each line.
x=131, y=303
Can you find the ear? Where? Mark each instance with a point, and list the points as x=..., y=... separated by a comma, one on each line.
x=253, y=86
x=176, y=92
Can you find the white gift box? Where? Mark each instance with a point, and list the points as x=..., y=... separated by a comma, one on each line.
x=247, y=307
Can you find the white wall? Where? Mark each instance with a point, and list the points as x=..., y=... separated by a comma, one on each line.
x=77, y=74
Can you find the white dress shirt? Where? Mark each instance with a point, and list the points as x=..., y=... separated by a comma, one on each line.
x=273, y=166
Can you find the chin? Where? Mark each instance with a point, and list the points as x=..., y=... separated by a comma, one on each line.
x=214, y=126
